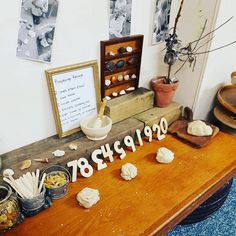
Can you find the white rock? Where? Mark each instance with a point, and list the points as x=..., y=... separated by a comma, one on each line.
x=128, y=171
x=199, y=128
x=107, y=82
x=129, y=49
x=114, y=94
x=58, y=153
x=87, y=197
x=126, y=77
x=164, y=155
x=120, y=77
x=122, y=92
x=73, y=146
x=108, y=98
x=130, y=89
x=8, y=172
x=111, y=54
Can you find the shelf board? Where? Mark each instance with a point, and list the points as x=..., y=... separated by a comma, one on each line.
x=115, y=71
x=122, y=55
x=120, y=83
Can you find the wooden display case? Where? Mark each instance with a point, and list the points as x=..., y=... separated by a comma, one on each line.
x=111, y=65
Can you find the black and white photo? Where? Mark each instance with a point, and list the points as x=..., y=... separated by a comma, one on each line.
x=161, y=20
x=36, y=29
x=120, y=18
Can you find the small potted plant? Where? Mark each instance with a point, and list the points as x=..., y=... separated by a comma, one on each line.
x=164, y=87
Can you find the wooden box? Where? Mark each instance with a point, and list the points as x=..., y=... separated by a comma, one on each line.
x=130, y=104
x=153, y=116
x=124, y=53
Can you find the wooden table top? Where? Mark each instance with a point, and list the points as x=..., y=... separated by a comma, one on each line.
x=152, y=203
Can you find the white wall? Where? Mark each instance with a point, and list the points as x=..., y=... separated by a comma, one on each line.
x=26, y=114
x=220, y=63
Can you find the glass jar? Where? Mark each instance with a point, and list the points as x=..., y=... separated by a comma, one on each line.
x=10, y=214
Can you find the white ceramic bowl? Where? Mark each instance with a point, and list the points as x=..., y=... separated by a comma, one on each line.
x=96, y=133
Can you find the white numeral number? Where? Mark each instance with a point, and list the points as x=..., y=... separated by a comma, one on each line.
x=74, y=165
x=83, y=166
x=138, y=133
x=163, y=125
x=148, y=133
x=119, y=150
x=156, y=128
x=100, y=163
x=129, y=142
x=107, y=152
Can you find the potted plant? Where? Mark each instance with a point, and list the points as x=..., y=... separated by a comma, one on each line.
x=164, y=87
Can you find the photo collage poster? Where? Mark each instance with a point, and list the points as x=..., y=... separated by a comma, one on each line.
x=120, y=18
x=36, y=29
x=161, y=21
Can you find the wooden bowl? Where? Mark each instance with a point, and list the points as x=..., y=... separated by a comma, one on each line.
x=227, y=97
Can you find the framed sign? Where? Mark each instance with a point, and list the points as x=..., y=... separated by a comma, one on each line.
x=74, y=94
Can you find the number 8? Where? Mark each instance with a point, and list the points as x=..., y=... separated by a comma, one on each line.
x=83, y=165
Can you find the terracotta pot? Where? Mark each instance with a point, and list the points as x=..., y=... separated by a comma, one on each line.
x=163, y=92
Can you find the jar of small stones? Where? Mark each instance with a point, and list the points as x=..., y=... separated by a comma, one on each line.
x=10, y=213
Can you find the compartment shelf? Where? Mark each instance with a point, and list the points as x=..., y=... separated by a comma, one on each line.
x=113, y=45
x=121, y=55
x=123, y=69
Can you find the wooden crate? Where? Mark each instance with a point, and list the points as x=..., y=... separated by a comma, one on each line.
x=113, y=45
x=130, y=104
x=151, y=116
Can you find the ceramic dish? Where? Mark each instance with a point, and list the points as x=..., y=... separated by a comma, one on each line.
x=227, y=97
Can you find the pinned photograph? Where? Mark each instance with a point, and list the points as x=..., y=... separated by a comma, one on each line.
x=36, y=29
x=120, y=18
x=161, y=21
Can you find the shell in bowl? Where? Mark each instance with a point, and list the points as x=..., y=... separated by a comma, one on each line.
x=96, y=133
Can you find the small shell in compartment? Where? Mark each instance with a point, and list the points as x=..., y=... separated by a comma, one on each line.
x=107, y=82
x=130, y=89
x=113, y=79
x=114, y=94
x=126, y=77
x=122, y=92
x=120, y=77
x=129, y=49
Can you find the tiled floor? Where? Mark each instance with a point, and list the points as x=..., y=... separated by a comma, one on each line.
x=222, y=223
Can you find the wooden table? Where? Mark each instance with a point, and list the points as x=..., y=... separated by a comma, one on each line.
x=152, y=203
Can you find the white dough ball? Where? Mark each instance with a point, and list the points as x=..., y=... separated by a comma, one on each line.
x=128, y=171
x=199, y=128
x=87, y=197
x=164, y=155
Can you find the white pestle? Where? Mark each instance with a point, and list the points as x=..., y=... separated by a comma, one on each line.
x=98, y=122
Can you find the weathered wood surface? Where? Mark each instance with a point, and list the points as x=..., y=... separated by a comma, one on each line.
x=45, y=147
x=130, y=104
x=152, y=203
x=153, y=115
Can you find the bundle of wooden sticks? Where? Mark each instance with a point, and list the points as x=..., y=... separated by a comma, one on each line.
x=27, y=186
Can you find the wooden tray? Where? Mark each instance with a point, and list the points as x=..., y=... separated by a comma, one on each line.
x=225, y=117
x=227, y=97
x=179, y=127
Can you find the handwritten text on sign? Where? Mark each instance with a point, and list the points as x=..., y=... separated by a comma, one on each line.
x=86, y=170
x=74, y=102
